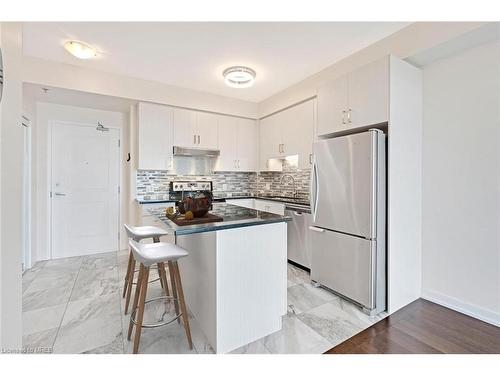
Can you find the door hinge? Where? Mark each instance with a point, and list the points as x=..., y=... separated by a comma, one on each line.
x=51, y=194
x=119, y=143
x=118, y=188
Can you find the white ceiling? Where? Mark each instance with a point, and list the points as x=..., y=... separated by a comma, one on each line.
x=193, y=55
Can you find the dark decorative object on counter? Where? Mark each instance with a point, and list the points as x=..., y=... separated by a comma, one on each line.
x=199, y=203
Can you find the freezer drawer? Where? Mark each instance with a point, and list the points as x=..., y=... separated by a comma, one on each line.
x=344, y=264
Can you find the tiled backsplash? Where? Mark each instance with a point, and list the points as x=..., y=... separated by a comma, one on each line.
x=286, y=183
x=155, y=185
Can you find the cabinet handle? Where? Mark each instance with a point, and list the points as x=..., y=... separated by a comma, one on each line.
x=310, y=158
x=283, y=148
x=194, y=139
x=349, y=115
x=198, y=139
x=343, y=117
x=238, y=164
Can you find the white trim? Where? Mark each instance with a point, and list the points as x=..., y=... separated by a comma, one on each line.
x=27, y=198
x=475, y=311
x=51, y=125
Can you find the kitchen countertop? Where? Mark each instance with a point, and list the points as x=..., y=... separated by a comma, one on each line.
x=297, y=201
x=233, y=217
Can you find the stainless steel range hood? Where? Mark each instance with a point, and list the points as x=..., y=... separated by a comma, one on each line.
x=198, y=152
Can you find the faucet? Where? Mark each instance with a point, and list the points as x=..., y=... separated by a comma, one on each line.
x=293, y=183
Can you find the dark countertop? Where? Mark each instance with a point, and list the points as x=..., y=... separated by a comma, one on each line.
x=297, y=201
x=234, y=217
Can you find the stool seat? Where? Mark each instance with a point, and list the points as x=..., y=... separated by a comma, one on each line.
x=141, y=233
x=160, y=252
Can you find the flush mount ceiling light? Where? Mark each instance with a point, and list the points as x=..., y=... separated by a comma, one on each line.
x=80, y=49
x=239, y=76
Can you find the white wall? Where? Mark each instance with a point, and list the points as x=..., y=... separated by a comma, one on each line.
x=11, y=156
x=461, y=182
x=46, y=113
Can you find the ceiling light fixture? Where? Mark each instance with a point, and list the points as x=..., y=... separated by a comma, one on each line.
x=80, y=49
x=239, y=76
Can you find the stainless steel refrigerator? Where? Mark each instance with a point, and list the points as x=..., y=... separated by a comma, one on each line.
x=348, y=206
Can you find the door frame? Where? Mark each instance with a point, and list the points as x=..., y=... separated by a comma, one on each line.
x=27, y=193
x=56, y=123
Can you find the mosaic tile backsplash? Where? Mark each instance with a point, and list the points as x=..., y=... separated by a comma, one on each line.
x=155, y=185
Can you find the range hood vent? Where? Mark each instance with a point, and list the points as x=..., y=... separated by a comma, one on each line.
x=185, y=151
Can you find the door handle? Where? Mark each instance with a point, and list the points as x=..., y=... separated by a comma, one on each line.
x=297, y=213
x=198, y=139
x=60, y=194
x=194, y=139
x=316, y=229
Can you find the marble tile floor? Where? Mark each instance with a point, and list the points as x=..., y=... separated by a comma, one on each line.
x=74, y=305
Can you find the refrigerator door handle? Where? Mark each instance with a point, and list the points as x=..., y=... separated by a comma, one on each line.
x=314, y=188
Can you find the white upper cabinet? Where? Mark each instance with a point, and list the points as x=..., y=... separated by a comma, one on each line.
x=298, y=129
x=185, y=128
x=155, y=133
x=270, y=141
x=195, y=129
x=248, y=145
x=333, y=104
x=360, y=98
x=206, y=129
x=238, y=144
x=369, y=94
x=228, y=130
x=289, y=132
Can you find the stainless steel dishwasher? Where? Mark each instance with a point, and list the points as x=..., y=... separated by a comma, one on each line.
x=298, y=234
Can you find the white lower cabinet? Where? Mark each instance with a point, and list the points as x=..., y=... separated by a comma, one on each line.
x=247, y=203
x=259, y=204
x=270, y=206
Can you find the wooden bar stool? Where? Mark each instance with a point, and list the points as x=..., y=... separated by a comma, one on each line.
x=148, y=255
x=138, y=234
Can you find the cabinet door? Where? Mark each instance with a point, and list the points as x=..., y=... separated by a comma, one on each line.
x=184, y=128
x=369, y=94
x=248, y=146
x=228, y=130
x=206, y=135
x=270, y=140
x=332, y=106
x=298, y=128
x=155, y=136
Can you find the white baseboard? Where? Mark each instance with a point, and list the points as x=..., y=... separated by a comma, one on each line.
x=475, y=311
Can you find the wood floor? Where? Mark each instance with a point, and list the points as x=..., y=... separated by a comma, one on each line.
x=424, y=327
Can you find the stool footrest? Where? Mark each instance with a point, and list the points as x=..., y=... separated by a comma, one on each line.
x=134, y=322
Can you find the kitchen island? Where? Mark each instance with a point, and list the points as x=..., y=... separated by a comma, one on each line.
x=234, y=278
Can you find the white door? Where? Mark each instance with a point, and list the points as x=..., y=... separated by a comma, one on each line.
x=270, y=140
x=207, y=130
x=155, y=136
x=228, y=129
x=85, y=197
x=298, y=131
x=369, y=94
x=332, y=106
x=185, y=128
x=248, y=145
